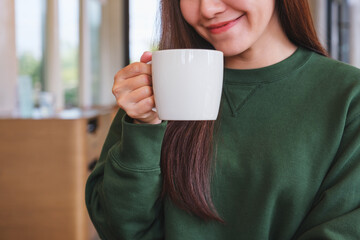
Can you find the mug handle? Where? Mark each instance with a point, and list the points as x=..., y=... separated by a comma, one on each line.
x=153, y=109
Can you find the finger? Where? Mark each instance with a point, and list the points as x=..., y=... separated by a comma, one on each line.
x=131, y=84
x=132, y=70
x=138, y=82
x=146, y=57
x=145, y=106
x=139, y=94
x=142, y=110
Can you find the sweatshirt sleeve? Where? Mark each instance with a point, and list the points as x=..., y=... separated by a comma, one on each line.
x=122, y=193
x=335, y=215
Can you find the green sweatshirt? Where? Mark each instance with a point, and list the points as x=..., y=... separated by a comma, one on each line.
x=287, y=162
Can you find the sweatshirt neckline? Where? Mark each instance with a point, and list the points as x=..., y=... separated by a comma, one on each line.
x=270, y=73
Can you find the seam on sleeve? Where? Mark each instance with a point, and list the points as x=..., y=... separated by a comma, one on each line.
x=130, y=169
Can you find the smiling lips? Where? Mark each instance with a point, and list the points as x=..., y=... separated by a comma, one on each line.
x=223, y=26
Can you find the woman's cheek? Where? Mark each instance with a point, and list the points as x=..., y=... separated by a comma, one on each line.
x=189, y=11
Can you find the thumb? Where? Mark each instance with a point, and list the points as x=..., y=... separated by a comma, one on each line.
x=146, y=57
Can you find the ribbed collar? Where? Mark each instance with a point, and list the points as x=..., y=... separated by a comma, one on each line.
x=271, y=73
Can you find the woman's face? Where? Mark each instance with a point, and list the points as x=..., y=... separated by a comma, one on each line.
x=233, y=26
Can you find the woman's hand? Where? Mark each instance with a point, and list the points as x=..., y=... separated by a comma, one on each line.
x=133, y=91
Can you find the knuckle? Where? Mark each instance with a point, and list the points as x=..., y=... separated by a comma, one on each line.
x=142, y=79
x=147, y=90
x=135, y=67
x=146, y=79
x=119, y=88
x=115, y=91
x=118, y=75
x=150, y=101
x=147, y=104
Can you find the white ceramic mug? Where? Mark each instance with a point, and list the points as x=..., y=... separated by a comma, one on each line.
x=187, y=83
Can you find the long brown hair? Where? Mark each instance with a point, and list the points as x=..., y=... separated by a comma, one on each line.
x=187, y=150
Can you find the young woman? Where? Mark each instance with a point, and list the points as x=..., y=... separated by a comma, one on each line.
x=281, y=162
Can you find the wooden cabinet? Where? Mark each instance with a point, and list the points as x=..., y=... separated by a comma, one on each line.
x=44, y=165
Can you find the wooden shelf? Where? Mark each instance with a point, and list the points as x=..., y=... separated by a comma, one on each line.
x=44, y=167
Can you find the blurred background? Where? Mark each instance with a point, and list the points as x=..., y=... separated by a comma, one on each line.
x=57, y=62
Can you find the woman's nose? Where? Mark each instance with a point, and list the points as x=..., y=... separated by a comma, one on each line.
x=210, y=8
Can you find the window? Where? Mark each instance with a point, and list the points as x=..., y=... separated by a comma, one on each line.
x=142, y=27
x=63, y=57
x=29, y=18
x=69, y=49
x=94, y=9
x=338, y=33
x=31, y=27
